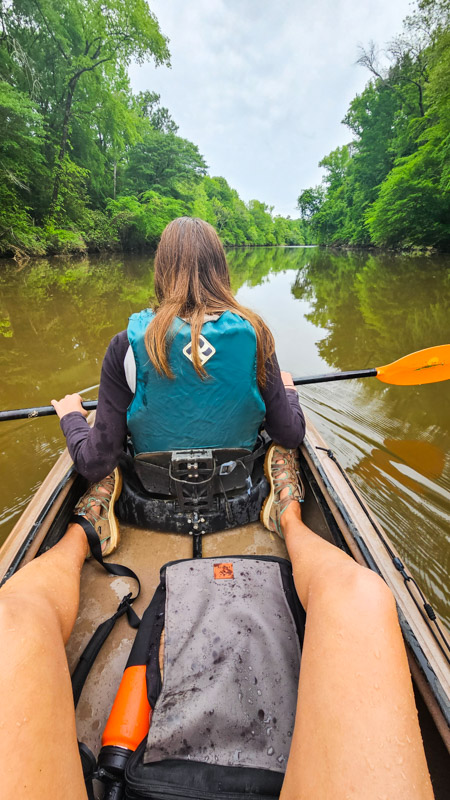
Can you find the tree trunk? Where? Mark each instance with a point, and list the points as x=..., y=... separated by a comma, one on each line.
x=63, y=143
x=422, y=112
x=115, y=179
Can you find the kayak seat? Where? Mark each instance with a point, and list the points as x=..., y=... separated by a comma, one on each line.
x=183, y=491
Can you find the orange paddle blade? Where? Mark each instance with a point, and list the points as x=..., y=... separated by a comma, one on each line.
x=425, y=366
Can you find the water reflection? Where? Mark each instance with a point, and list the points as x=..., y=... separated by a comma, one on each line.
x=60, y=316
x=329, y=310
x=376, y=309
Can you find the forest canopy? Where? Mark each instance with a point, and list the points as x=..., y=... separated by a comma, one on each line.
x=85, y=163
x=390, y=185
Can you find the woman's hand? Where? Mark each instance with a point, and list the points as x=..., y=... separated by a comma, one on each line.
x=69, y=403
x=287, y=379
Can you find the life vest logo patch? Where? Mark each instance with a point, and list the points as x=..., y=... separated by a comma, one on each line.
x=205, y=350
x=223, y=572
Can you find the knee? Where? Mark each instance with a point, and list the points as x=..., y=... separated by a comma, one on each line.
x=367, y=592
x=360, y=591
x=23, y=618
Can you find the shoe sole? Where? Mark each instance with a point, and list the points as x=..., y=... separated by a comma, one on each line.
x=114, y=538
x=265, y=510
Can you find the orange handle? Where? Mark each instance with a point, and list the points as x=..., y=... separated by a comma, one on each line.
x=129, y=720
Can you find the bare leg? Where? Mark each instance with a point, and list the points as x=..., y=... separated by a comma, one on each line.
x=356, y=733
x=38, y=607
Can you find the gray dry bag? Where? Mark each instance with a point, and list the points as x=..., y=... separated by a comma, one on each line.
x=224, y=705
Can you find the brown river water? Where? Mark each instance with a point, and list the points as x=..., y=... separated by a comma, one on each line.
x=328, y=311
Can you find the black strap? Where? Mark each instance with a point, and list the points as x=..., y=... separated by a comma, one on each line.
x=89, y=766
x=95, y=644
x=96, y=550
x=98, y=638
x=250, y=457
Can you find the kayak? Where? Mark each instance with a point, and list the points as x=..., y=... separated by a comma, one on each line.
x=333, y=508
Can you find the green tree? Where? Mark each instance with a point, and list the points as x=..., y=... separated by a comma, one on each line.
x=139, y=223
x=262, y=217
x=390, y=185
x=84, y=163
x=412, y=207
x=310, y=201
x=20, y=157
x=164, y=163
x=74, y=44
x=148, y=106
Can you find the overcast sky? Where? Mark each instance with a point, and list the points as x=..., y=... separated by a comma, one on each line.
x=261, y=86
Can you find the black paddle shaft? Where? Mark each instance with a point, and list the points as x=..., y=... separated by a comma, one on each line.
x=41, y=411
x=337, y=376
x=90, y=405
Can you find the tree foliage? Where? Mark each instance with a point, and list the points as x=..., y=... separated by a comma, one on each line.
x=85, y=164
x=391, y=185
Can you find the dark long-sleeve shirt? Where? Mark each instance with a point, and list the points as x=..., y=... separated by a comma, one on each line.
x=95, y=451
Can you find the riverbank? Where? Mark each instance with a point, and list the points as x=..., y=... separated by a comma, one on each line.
x=73, y=246
x=401, y=250
x=21, y=257
x=115, y=248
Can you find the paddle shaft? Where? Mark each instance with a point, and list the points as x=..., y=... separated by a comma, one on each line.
x=90, y=405
x=337, y=376
x=41, y=411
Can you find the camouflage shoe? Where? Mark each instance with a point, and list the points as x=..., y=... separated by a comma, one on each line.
x=97, y=507
x=281, y=468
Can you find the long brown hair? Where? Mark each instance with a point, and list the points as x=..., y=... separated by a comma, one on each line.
x=191, y=280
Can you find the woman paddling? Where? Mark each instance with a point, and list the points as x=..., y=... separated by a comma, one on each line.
x=198, y=372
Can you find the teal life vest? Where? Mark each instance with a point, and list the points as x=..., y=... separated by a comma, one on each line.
x=187, y=412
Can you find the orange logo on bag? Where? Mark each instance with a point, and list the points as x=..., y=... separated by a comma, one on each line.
x=223, y=572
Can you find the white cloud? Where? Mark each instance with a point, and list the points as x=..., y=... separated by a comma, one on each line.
x=261, y=87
